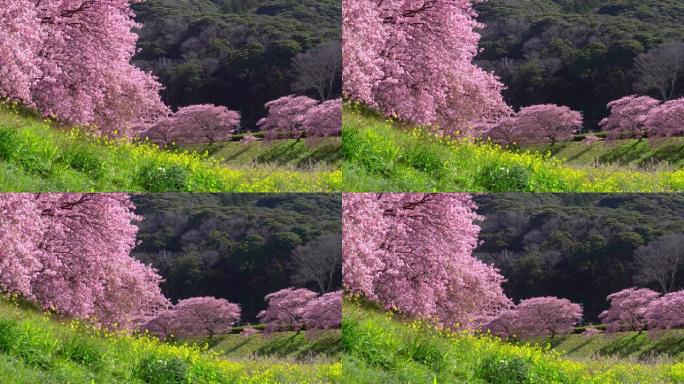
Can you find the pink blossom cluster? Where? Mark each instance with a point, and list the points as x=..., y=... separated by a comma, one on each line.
x=538, y=316
x=300, y=116
x=412, y=252
x=635, y=309
x=642, y=116
x=666, y=119
x=71, y=253
x=194, y=124
x=627, y=310
x=666, y=312
x=591, y=331
x=414, y=60
x=548, y=123
x=196, y=316
x=248, y=331
x=324, y=312
x=296, y=309
x=71, y=59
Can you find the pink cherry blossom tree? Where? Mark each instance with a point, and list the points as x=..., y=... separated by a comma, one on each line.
x=547, y=316
x=547, y=123
x=205, y=316
x=72, y=59
x=21, y=37
x=285, y=117
x=161, y=325
x=324, y=312
x=286, y=309
x=248, y=331
x=413, y=252
x=323, y=120
x=506, y=324
x=666, y=311
x=628, y=117
x=414, y=60
x=591, y=331
x=194, y=124
x=627, y=310
x=71, y=253
x=299, y=116
x=504, y=132
x=20, y=231
x=666, y=119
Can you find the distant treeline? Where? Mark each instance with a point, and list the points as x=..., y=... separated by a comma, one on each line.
x=233, y=246
x=236, y=53
x=577, y=246
x=579, y=53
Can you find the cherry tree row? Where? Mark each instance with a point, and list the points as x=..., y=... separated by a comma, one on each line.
x=289, y=117
x=637, y=117
x=638, y=309
x=288, y=310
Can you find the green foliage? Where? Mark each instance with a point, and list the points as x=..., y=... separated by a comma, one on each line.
x=37, y=348
x=503, y=370
x=156, y=177
x=381, y=348
x=38, y=155
x=381, y=155
x=160, y=370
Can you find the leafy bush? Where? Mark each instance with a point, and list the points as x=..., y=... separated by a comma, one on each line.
x=155, y=177
x=162, y=370
x=503, y=370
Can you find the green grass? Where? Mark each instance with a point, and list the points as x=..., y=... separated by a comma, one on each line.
x=37, y=348
x=631, y=345
x=380, y=348
x=291, y=153
x=634, y=153
x=381, y=155
x=298, y=346
x=35, y=155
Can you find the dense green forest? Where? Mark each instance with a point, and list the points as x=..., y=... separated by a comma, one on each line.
x=578, y=53
x=577, y=246
x=235, y=53
x=235, y=246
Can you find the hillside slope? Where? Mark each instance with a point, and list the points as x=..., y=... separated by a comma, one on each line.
x=296, y=346
x=381, y=155
x=292, y=153
x=635, y=153
x=35, y=348
x=629, y=345
x=379, y=348
x=37, y=155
